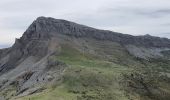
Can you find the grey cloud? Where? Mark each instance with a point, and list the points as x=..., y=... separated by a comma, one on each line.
x=156, y=13
x=166, y=24
x=148, y=12
x=163, y=11
x=126, y=16
x=4, y=45
x=10, y=23
x=163, y=34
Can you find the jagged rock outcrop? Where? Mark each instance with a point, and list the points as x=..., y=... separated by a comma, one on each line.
x=27, y=61
x=45, y=28
x=47, y=31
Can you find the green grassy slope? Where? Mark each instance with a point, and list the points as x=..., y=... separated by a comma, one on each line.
x=93, y=78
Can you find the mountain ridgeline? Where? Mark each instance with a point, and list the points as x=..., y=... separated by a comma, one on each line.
x=44, y=28
x=78, y=62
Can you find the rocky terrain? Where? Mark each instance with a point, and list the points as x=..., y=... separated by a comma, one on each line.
x=61, y=59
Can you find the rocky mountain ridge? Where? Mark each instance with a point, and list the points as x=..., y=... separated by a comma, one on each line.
x=43, y=29
x=37, y=38
x=49, y=27
x=35, y=41
x=31, y=61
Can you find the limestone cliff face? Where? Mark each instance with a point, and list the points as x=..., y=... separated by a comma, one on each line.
x=31, y=53
x=36, y=40
x=45, y=28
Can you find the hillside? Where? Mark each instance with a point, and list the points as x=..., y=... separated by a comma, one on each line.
x=63, y=60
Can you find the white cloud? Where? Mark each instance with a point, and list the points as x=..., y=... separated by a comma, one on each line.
x=127, y=16
x=8, y=38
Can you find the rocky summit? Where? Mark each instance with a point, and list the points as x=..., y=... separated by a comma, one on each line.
x=63, y=60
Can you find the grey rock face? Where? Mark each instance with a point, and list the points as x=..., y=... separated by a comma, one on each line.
x=2, y=98
x=21, y=50
x=146, y=53
x=36, y=39
x=28, y=61
x=48, y=27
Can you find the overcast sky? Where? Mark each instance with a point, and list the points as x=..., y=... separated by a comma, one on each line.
x=136, y=17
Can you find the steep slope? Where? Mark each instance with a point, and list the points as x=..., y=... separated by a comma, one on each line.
x=65, y=60
x=42, y=26
x=135, y=45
